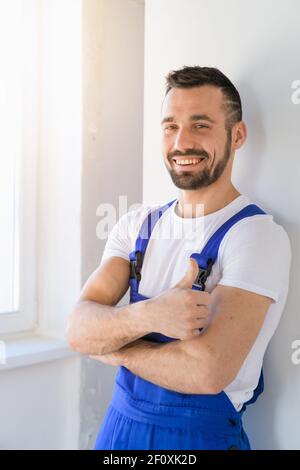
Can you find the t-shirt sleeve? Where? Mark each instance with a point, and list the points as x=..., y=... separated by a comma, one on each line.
x=255, y=255
x=118, y=241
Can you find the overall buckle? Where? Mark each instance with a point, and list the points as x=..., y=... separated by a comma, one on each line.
x=203, y=274
x=136, y=266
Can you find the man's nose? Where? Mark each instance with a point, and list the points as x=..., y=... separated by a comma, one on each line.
x=183, y=140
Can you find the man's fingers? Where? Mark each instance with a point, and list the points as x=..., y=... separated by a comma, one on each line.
x=190, y=275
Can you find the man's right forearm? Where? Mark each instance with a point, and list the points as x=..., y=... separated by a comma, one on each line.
x=94, y=328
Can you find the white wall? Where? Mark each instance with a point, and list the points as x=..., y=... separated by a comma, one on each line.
x=255, y=44
x=113, y=60
x=39, y=406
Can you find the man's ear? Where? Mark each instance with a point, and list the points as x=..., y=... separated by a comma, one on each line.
x=239, y=135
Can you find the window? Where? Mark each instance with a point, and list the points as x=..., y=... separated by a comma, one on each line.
x=40, y=163
x=18, y=157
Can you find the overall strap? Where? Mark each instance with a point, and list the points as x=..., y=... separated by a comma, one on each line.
x=209, y=253
x=136, y=257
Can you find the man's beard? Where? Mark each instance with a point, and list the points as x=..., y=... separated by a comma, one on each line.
x=205, y=177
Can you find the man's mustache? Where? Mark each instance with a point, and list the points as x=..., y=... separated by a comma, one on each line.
x=189, y=153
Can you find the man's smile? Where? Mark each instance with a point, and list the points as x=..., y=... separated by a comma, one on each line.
x=186, y=163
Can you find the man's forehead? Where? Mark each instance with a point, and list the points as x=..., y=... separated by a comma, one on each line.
x=196, y=100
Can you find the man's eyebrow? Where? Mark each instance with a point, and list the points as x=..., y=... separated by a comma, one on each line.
x=194, y=117
x=202, y=117
x=167, y=119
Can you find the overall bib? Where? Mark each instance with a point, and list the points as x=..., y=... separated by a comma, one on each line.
x=143, y=415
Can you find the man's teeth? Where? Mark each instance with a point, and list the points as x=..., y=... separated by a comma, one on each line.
x=188, y=162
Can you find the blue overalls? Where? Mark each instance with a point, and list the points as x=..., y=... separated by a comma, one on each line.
x=143, y=415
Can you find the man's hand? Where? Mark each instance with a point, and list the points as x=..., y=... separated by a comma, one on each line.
x=180, y=311
x=114, y=359
x=120, y=357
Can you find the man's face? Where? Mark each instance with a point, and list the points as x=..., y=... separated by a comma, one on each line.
x=195, y=143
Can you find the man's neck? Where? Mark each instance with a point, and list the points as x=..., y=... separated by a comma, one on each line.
x=204, y=201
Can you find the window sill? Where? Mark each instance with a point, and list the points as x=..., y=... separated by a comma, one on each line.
x=30, y=348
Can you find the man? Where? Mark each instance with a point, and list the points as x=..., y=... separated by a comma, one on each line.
x=203, y=306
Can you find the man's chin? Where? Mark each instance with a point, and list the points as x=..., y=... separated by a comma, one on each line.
x=189, y=185
x=188, y=181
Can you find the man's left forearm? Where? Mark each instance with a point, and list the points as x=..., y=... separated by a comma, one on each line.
x=168, y=365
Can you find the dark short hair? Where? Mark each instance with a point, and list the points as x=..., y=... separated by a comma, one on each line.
x=190, y=77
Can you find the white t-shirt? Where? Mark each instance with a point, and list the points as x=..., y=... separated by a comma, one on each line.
x=255, y=255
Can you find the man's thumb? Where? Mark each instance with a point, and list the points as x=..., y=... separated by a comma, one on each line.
x=190, y=274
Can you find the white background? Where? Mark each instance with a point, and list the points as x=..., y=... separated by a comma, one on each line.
x=255, y=44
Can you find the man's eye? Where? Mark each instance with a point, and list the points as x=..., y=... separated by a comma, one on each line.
x=198, y=126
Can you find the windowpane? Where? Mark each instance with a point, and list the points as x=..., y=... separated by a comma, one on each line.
x=10, y=150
